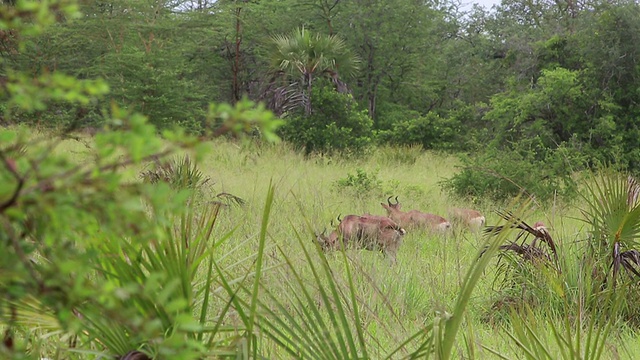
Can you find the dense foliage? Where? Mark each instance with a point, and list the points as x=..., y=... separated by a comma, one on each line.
x=430, y=73
x=335, y=124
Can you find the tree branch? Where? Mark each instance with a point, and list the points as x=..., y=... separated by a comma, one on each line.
x=10, y=165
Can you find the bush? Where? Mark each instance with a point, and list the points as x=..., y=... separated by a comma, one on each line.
x=335, y=125
x=360, y=182
x=178, y=173
x=431, y=131
x=388, y=114
x=181, y=173
x=500, y=175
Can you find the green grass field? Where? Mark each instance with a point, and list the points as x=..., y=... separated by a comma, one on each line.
x=393, y=301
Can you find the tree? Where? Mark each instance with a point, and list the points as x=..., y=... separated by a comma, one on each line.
x=336, y=124
x=302, y=56
x=398, y=42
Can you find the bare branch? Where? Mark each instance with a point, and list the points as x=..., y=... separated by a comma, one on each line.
x=10, y=165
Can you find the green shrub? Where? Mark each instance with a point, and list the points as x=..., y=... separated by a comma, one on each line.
x=388, y=113
x=179, y=173
x=431, y=131
x=501, y=175
x=360, y=182
x=91, y=262
x=335, y=125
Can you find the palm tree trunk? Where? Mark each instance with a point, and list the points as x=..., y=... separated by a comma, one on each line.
x=309, y=80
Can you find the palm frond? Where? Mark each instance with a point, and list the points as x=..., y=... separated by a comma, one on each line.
x=527, y=252
x=531, y=251
x=285, y=98
x=613, y=213
x=633, y=192
x=302, y=56
x=179, y=173
x=228, y=199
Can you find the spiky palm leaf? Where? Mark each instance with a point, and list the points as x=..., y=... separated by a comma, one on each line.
x=613, y=214
x=303, y=53
x=166, y=283
x=180, y=173
x=530, y=251
x=302, y=57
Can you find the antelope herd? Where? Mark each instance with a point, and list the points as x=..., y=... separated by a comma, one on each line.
x=385, y=233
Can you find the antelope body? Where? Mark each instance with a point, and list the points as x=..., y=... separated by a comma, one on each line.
x=415, y=219
x=472, y=219
x=370, y=232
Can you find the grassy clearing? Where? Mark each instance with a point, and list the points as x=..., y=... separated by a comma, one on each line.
x=393, y=301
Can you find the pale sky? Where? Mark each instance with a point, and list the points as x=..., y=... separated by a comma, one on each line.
x=485, y=3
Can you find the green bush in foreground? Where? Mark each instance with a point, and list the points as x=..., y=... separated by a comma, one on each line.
x=579, y=291
x=91, y=262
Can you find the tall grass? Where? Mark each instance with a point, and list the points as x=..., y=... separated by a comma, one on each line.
x=287, y=300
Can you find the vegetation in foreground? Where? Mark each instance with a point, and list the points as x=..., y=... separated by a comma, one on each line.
x=184, y=272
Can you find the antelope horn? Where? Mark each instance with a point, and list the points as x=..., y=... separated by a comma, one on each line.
x=397, y=202
x=340, y=220
x=389, y=200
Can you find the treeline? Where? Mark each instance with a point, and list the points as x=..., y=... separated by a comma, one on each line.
x=543, y=88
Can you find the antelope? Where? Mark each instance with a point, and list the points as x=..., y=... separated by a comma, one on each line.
x=414, y=218
x=370, y=232
x=470, y=218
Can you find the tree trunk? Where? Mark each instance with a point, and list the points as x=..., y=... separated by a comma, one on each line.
x=371, y=97
x=308, y=79
x=235, y=87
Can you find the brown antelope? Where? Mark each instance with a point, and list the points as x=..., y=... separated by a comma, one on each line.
x=472, y=219
x=414, y=218
x=370, y=232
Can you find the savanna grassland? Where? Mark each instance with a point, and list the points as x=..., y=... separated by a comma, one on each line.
x=394, y=301
x=119, y=246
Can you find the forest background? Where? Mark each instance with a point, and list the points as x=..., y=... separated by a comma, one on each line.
x=548, y=85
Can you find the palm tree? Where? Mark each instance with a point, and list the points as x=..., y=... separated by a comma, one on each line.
x=302, y=57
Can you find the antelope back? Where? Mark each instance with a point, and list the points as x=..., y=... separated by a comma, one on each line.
x=473, y=219
x=350, y=227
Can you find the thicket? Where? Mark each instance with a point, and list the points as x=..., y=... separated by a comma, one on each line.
x=335, y=125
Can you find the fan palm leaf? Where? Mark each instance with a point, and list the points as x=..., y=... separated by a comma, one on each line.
x=613, y=214
x=302, y=57
x=527, y=251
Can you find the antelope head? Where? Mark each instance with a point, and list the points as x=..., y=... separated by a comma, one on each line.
x=391, y=207
x=322, y=239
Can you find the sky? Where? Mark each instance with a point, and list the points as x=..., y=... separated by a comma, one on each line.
x=485, y=3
